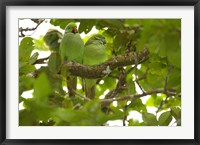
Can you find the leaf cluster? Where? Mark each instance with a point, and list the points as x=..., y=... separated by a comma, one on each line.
x=50, y=105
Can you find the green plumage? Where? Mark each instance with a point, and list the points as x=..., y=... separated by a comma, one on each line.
x=94, y=53
x=71, y=49
x=52, y=39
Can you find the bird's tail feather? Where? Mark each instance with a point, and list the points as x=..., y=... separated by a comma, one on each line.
x=90, y=86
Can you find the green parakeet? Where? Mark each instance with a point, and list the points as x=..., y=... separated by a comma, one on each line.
x=94, y=53
x=71, y=49
x=53, y=39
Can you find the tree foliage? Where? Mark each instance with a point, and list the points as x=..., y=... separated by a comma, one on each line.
x=157, y=77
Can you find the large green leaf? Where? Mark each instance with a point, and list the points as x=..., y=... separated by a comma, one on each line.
x=33, y=58
x=25, y=68
x=25, y=83
x=40, y=45
x=172, y=102
x=25, y=48
x=110, y=23
x=42, y=90
x=155, y=100
x=174, y=79
x=137, y=105
x=152, y=81
x=62, y=23
x=26, y=118
x=165, y=118
x=38, y=111
x=149, y=119
x=176, y=113
x=86, y=25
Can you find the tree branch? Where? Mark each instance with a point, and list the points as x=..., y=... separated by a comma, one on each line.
x=165, y=89
x=120, y=87
x=104, y=102
x=22, y=30
x=99, y=71
x=41, y=61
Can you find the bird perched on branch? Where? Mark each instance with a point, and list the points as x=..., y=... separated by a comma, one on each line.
x=94, y=53
x=71, y=49
x=52, y=40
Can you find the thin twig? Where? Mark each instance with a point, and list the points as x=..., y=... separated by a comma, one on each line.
x=41, y=61
x=165, y=89
x=21, y=30
x=125, y=115
x=82, y=96
x=136, y=71
x=136, y=96
x=120, y=85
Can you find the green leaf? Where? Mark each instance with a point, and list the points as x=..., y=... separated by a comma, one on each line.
x=25, y=83
x=26, y=68
x=116, y=113
x=55, y=80
x=21, y=99
x=86, y=25
x=33, y=58
x=176, y=112
x=158, y=68
x=152, y=81
x=165, y=119
x=149, y=119
x=40, y=45
x=38, y=111
x=109, y=23
x=132, y=122
x=42, y=90
x=131, y=87
x=25, y=48
x=137, y=105
x=162, y=36
x=109, y=83
x=67, y=103
x=154, y=100
x=170, y=47
x=62, y=23
x=68, y=115
x=120, y=42
x=26, y=118
x=174, y=79
x=172, y=102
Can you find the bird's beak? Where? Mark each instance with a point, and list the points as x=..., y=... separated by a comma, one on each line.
x=75, y=30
